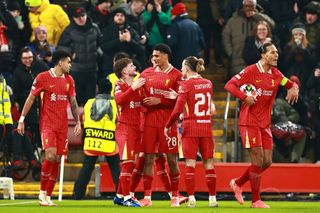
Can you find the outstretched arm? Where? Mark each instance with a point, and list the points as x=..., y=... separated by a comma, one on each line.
x=74, y=110
x=26, y=108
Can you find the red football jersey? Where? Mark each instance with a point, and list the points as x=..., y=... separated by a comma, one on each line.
x=55, y=93
x=156, y=83
x=195, y=96
x=264, y=86
x=128, y=102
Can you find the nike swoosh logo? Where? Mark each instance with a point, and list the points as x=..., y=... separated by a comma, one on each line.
x=258, y=81
x=51, y=86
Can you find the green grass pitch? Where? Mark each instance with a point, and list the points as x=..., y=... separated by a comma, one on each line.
x=100, y=206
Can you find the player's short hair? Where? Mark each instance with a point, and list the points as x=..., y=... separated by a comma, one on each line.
x=120, y=55
x=60, y=55
x=194, y=63
x=264, y=48
x=163, y=48
x=119, y=65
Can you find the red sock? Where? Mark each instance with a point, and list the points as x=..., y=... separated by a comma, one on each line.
x=137, y=173
x=190, y=180
x=162, y=172
x=175, y=184
x=147, y=183
x=53, y=178
x=245, y=177
x=255, y=179
x=119, y=190
x=211, y=179
x=125, y=177
x=45, y=174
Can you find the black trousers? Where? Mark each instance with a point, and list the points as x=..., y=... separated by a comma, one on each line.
x=83, y=179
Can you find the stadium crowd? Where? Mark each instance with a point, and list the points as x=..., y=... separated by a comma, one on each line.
x=95, y=32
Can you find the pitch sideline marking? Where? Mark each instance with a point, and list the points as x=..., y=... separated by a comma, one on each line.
x=11, y=204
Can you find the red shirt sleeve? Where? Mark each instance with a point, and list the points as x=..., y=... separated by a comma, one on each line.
x=232, y=87
x=121, y=97
x=177, y=110
x=72, y=91
x=37, y=86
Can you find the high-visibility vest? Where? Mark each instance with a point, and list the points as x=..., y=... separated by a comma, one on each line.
x=99, y=136
x=5, y=104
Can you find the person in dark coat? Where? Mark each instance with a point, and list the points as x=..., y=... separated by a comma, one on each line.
x=100, y=13
x=184, y=36
x=24, y=74
x=81, y=38
x=120, y=37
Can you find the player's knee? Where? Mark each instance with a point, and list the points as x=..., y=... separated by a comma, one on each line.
x=267, y=164
x=51, y=156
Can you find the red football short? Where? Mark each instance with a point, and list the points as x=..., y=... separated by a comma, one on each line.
x=128, y=137
x=154, y=141
x=191, y=145
x=51, y=138
x=254, y=136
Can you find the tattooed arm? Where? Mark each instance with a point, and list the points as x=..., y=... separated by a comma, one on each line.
x=74, y=110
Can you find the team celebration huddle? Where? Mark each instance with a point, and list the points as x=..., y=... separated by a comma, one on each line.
x=146, y=133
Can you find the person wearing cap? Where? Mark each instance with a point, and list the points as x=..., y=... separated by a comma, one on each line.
x=299, y=56
x=81, y=38
x=40, y=46
x=51, y=16
x=237, y=28
x=310, y=19
x=119, y=36
x=183, y=31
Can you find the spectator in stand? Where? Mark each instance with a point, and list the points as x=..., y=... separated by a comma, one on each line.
x=40, y=46
x=261, y=34
x=314, y=86
x=82, y=39
x=299, y=57
x=28, y=67
x=311, y=20
x=51, y=16
x=184, y=36
x=9, y=42
x=238, y=27
x=101, y=119
x=100, y=14
x=157, y=19
x=210, y=19
x=119, y=36
x=290, y=147
x=134, y=10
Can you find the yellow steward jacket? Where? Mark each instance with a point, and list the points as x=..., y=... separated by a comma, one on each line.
x=5, y=104
x=99, y=136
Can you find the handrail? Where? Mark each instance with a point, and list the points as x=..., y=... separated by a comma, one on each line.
x=225, y=127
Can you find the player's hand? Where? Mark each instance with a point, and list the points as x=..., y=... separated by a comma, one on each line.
x=172, y=94
x=250, y=100
x=77, y=129
x=138, y=83
x=151, y=101
x=292, y=95
x=166, y=132
x=20, y=128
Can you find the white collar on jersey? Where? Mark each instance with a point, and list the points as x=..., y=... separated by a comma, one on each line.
x=53, y=74
x=194, y=76
x=259, y=65
x=165, y=71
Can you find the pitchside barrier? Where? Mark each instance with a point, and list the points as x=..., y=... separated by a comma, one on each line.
x=281, y=177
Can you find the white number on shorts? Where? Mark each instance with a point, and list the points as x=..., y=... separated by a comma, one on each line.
x=172, y=141
x=201, y=100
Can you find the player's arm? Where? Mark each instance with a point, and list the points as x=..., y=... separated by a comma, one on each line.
x=176, y=112
x=123, y=97
x=293, y=90
x=26, y=108
x=74, y=111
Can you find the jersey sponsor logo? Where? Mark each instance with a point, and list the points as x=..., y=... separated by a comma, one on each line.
x=53, y=97
x=133, y=104
x=267, y=92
